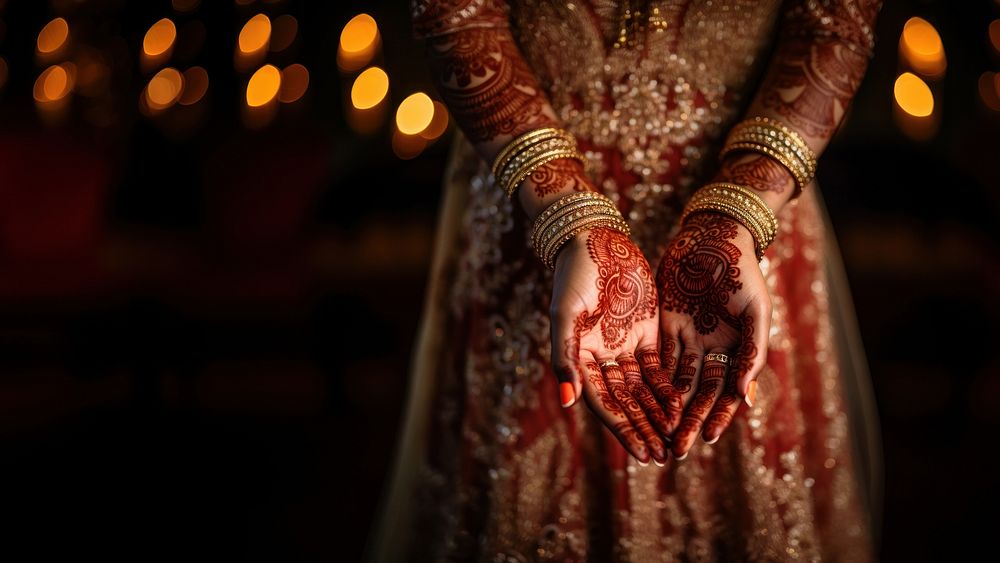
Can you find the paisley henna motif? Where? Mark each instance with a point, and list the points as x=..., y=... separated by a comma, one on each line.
x=699, y=271
x=625, y=284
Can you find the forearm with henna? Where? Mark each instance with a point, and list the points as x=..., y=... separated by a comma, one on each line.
x=817, y=66
x=494, y=96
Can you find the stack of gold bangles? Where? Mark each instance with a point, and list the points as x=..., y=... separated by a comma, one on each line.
x=741, y=204
x=527, y=152
x=771, y=138
x=567, y=217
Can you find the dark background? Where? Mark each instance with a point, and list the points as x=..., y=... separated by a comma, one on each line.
x=205, y=332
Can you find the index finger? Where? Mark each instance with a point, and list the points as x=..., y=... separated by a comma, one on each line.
x=607, y=409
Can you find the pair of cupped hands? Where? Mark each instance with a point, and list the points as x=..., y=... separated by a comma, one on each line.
x=664, y=360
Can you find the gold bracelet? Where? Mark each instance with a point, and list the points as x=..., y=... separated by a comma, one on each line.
x=524, y=140
x=771, y=138
x=571, y=211
x=742, y=196
x=517, y=161
x=567, y=217
x=748, y=199
x=560, y=208
x=536, y=163
x=741, y=204
x=758, y=221
x=798, y=174
x=553, y=247
x=782, y=134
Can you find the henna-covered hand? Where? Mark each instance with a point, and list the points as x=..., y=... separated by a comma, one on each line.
x=713, y=301
x=604, y=308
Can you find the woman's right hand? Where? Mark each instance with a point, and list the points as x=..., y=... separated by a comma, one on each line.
x=605, y=323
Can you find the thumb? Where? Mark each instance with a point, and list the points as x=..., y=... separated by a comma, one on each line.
x=752, y=355
x=566, y=359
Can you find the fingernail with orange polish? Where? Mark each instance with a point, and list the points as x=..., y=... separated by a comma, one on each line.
x=751, y=395
x=566, y=394
x=681, y=458
x=713, y=440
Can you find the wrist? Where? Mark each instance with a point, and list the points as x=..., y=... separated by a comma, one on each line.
x=550, y=182
x=771, y=181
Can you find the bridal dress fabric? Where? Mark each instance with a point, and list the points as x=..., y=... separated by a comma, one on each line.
x=489, y=466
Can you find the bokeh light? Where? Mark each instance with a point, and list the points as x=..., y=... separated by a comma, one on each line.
x=195, y=86
x=53, y=37
x=370, y=88
x=53, y=84
x=255, y=34
x=185, y=5
x=283, y=32
x=439, y=123
x=989, y=90
x=294, y=83
x=414, y=113
x=359, y=34
x=913, y=95
x=164, y=89
x=263, y=86
x=995, y=35
x=359, y=42
x=3, y=72
x=160, y=38
x=921, y=47
x=407, y=146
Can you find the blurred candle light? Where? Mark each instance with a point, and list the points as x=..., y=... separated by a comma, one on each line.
x=921, y=47
x=370, y=88
x=185, y=5
x=164, y=89
x=995, y=35
x=914, y=108
x=438, y=124
x=195, y=86
x=158, y=44
x=263, y=86
x=52, y=39
x=254, y=38
x=283, y=32
x=913, y=95
x=414, y=114
x=255, y=34
x=294, y=82
x=406, y=146
x=989, y=90
x=359, y=41
x=52, y=89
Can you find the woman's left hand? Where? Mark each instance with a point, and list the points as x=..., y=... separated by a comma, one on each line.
x=714, y=306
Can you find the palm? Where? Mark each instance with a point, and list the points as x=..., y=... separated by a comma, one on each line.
x=605, y=322
x=714, y=301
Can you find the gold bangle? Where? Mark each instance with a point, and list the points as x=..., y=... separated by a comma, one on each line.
x=553, y=247
x=567, y=217
x=772, y=138
x=571, y=211
x=741, y=204
x=524, y=140
x=798, y=174
x=517, y=161
x=537, y=163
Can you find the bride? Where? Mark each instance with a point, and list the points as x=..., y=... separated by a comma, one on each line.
x=638, y=343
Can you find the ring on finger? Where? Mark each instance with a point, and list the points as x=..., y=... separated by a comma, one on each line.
x=716, y=357
x=607, y=363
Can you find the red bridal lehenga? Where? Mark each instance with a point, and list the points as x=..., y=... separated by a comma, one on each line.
x=490, y=467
